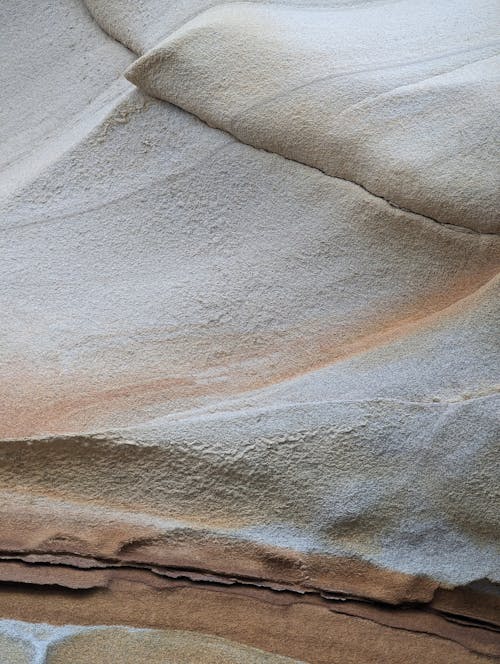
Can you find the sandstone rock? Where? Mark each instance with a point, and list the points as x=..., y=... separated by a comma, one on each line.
x=383, y=98
x=249, y=371
x=14, y=651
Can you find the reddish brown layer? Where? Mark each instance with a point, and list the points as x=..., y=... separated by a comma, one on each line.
x=38, y=525
x=308, y=628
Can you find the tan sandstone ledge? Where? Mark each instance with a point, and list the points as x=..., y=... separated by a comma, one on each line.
x=64, y=563
x=307, y=627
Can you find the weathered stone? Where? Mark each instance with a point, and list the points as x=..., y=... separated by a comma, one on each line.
x=249, y=345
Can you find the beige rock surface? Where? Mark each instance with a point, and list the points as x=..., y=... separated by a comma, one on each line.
x=356, y=92
x=249, y=371
x=130, y=647
x=22, y=641
x=15, y=651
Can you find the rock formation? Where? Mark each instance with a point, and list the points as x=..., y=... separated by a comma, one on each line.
x=249, y=351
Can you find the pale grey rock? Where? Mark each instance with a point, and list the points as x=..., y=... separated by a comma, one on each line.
x=297, y=361
x=360, y=93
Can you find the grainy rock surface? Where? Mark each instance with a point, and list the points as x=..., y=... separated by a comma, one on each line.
x=249, y=344
x=108, y=645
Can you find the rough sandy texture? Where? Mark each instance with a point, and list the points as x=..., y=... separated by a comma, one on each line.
x=249, y=371
x=356, y=92
x=106, y=645
x=141, y=24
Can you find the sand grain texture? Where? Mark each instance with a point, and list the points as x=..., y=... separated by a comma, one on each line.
x=249, y=344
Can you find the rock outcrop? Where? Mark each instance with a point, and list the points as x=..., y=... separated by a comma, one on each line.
x=249, y=352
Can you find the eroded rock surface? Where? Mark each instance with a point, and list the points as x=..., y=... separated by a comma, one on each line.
x=249, y=350
x=81, y=645
x=360, y=93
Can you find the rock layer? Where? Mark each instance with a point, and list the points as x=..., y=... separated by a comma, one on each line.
x=249, y=371
x=338, y=91
x=110, y=644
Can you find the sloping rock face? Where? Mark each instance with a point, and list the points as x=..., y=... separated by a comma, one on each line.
x=249, y=343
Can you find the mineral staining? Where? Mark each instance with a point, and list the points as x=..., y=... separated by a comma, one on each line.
x=249, y=350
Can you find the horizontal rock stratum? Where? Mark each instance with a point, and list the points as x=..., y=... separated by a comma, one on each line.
x=249, y=366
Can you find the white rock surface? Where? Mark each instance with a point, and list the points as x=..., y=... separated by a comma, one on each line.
x=398, y=100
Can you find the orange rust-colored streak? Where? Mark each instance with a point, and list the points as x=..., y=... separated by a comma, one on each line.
x=44, y=406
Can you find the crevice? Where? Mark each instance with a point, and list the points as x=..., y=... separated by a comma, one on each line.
x=392, y=204
x=453, y=227
x=341, y=603
x=200, y=575
x=106, y=32
x=416, y=631
x=456, y=227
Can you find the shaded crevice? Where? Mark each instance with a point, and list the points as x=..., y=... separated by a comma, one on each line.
x=453, y=227
x=201, y=575
x=176, y=578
